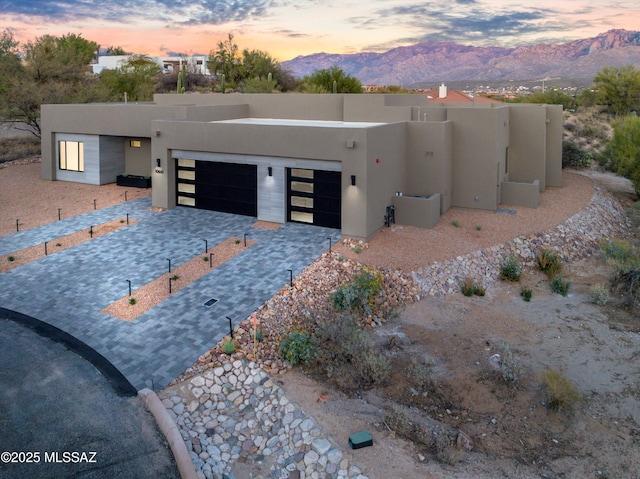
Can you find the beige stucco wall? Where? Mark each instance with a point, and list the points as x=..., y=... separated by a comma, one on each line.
x=553, y=166
x=521, y=194
x=527, y=149
x=137, y=160
x=480, y=139
x=414, y=211
x=108, y=119
x=429, y=160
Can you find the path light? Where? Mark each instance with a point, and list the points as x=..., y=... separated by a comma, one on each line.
x=45, y=248
x=170, y=280
x=125, y=195
x=169, y=264
x=206, y=246
x=91, y=231
x=127, y=218
x=94, y=204
x=329, y=238
x=129, y=281
x=17, y=225
x=245, y=240
x=290, y=277
x=59, y=215
x=230, y=327
x=211, y=260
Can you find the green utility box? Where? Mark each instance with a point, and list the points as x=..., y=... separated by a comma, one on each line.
x=361, y=439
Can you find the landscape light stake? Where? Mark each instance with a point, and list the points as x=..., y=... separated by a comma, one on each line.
x=125, y=195
x=127, y=218
x=129, y=281
x=169, y=264
x=245, y=240
x=94, y=204
x=329, y=238
x=91, y=231
x=45, y=248
x=59, y=216
x=290, y=277
x=206, y=246
x=17, y=225
x=230, y=327
x=170, y=280
x=211, y=260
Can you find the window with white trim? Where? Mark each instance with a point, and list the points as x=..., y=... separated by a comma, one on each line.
x=71, y=155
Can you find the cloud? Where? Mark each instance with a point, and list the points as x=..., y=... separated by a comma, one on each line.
x=181, y=12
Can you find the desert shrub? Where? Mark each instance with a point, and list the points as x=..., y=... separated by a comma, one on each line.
x=510, y=269
x=358, y=294
x=621, y=254
x=398, y=418
x=456, y=223
x=346, y=352
x=10, y=258
x=469, y=287
x=228, y=346
x=132, y=301
x=420, y=373
x=526, y=293
x=549, y=262
x=559, y=391
x=18, y=148
x=298, y=347
x=560, y=285
x=575, y=157
x=599, y=294
x=510, y=366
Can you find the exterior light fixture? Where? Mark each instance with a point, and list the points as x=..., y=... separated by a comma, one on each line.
x=353, y=180
x=158, y=162
x=270, y=170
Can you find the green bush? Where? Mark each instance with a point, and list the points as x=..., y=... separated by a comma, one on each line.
x=526, y=293
x=549, y=262
x=10, y=258
x=560, y=285
x=358, y=294
x=456, y=223
x=298, y=347
x=510, y=269
x=560, y=393
x=621, y=254
x=469, y=287
x=132, y=301
x=347, y=354
x=18, y=148
x=599, y=294
x=228, y=346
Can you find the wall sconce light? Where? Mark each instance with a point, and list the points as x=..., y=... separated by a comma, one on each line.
x=158, y=162
x=353, y=180
x=157, y=132
x=270, y=170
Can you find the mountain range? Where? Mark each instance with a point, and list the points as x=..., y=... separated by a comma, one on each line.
x=446, y=61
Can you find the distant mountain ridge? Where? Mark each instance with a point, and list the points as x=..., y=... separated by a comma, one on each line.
x=447, y=61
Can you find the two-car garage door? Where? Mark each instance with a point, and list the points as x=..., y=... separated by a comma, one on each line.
x=226, y=187
x=312, y=196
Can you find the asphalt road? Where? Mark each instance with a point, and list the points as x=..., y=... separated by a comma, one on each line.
x=58, y=411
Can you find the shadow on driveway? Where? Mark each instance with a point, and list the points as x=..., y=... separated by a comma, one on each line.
x=55, y=403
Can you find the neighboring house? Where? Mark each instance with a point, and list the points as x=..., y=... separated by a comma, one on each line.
x=196, y=63
x=331, y=160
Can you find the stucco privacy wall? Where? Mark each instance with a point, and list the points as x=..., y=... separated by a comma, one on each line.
x=299, y=106
x=429, y=161
x=553, y=167
x=480, y=141
x=106, y=119
x=528, y=128
x=136, y=158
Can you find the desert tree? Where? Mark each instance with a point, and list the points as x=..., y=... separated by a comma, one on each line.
x=334, y=79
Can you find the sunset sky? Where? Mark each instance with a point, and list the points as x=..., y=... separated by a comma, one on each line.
x=288, y=28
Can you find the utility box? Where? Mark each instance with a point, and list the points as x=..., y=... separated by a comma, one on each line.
x=361, y=439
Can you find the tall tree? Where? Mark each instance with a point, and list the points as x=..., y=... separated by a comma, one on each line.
x=135, y=77
x=618, y=88
x=55, y=70
x=334, y=79
x=226, y=61
x=624, y=149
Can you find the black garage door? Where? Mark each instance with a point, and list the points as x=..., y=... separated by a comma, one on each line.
x=314, y=196
x=226, y=187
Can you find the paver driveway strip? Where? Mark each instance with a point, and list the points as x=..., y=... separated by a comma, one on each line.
x=68, y=289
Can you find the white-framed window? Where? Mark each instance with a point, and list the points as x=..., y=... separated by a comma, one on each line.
x=71, y=155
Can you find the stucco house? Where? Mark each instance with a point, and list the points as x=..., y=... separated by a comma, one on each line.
x=333, y=160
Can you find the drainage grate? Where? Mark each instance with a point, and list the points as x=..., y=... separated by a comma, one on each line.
x=211, y=302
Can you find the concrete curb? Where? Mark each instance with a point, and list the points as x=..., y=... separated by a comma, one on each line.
x=170, y=430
